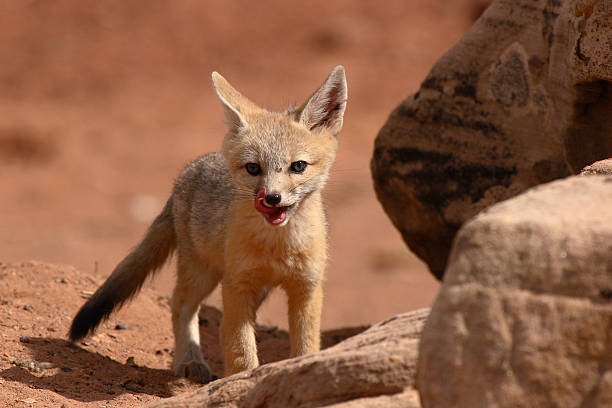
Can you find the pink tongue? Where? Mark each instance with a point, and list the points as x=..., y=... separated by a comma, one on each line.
x=274, y=215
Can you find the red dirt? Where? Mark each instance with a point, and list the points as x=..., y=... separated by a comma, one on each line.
x=102, y=103
x=114, y=367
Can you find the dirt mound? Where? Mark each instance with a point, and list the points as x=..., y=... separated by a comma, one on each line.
x=125, y=364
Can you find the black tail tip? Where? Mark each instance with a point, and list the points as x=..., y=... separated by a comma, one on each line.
x=85, y=323
x=79, y=329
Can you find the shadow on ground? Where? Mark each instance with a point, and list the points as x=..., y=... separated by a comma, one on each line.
x=70, y=369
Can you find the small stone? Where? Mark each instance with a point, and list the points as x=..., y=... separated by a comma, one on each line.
x=66, y=369
x=86, y=294
x=132, y=387
x=29, y=364
x=24, y=339
x=266, y=329
x=28, y=308
x=108, y=383
x=46, y=365
x=131, y=362
x=122, y=326
x=180, y=383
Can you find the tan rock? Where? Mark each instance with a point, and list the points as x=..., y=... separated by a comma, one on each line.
x=600, y=167
x=522, y=99
x=375, y=368
x=524, y=315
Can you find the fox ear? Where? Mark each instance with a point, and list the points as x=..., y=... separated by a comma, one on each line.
x=236, y=105
x=325, y=109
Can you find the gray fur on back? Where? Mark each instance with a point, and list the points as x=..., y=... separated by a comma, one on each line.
x=203, y=193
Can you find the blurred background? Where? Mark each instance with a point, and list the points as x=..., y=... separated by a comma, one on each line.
x=103, y=102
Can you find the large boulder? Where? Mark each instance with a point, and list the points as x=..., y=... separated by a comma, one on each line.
x=522, y=99
x=374, y=368
x=524, y=315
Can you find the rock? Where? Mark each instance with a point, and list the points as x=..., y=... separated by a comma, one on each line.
x=600, y=167
x=374, y=368
x=523, y=317
x=522, y=99
x=33, y=365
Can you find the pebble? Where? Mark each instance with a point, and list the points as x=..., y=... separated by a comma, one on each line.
x=122, y=326
x=131, y=362
x=131, y=387
x=33, y=365
x=46, y=365
x=24, y=339
x=266, y=329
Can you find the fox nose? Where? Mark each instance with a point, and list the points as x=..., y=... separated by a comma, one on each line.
x=273, y=199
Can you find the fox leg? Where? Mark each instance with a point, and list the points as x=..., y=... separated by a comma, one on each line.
x=305, y=303
x=237, y=327
x=192, y=286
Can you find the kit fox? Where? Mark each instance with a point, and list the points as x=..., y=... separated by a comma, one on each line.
x=251, y=218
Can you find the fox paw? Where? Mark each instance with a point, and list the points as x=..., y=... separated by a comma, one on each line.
x=196, y=370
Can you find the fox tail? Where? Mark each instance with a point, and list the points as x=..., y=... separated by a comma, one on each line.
x=128, y=277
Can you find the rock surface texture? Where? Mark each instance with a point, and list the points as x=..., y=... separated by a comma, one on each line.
x=600, y=167
x=524, y=316
x=522, y=99
x=375, y=369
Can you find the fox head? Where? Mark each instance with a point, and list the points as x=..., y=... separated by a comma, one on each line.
x=278, y=159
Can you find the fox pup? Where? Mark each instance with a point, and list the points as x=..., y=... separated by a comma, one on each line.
x=251, y=218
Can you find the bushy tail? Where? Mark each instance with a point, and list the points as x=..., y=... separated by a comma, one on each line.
x=127, y=278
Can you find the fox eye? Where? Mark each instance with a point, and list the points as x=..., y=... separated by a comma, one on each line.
x=253, y=169
x=298, y=166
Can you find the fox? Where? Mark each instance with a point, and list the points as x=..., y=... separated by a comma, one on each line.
x=249, y=218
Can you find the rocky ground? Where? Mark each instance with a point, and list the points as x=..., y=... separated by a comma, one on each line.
x=125, y=364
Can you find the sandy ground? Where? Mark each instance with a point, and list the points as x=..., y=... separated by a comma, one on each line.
x=103, y=103
x=114, y=368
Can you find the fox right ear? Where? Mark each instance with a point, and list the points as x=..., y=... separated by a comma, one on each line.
x=325, y=109
x=236, y=105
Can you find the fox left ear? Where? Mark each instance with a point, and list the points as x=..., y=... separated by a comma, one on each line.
x=237, y=106
x=325, y=109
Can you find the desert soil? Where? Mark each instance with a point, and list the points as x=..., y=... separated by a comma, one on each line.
x=102, y=104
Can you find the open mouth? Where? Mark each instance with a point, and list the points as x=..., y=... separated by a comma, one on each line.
x=274, y=215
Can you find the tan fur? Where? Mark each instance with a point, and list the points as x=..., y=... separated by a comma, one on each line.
x=221, y=238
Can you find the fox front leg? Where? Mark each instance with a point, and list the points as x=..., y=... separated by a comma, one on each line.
x=238, y=328
x=305, y=304
x=193, y=285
